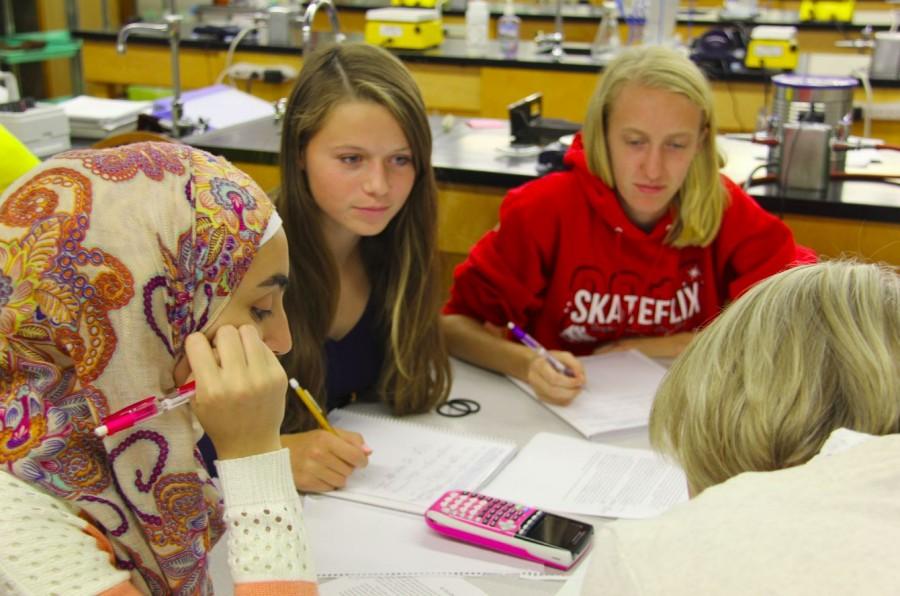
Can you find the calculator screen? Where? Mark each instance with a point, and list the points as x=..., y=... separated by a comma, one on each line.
x=561, y=532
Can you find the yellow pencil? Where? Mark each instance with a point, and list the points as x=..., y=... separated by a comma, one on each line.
x=312, y=406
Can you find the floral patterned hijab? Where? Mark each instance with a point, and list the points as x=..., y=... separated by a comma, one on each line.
x=108, y=260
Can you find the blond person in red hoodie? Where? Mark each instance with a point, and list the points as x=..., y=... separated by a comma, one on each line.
x=636, y=246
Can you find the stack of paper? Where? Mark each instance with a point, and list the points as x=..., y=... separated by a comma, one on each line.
x=98, y=117
x=218, y=105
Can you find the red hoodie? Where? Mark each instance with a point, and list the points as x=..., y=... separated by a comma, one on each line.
x=567, y=264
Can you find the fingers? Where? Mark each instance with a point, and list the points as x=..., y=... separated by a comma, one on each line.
x=351, y=453
x=322, y=461
x=230, y=348
x=258, y=355
x=240, y=391
x=559, y=397
x=202, y=359
x=573, y=364
x=552, y=386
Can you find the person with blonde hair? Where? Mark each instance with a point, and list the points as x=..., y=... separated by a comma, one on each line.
x=784, y=415
x=638, y=244
x=359, y=202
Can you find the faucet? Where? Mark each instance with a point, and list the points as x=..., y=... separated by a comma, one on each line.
x=171, y=28
x=311, y=9
x=555, y=39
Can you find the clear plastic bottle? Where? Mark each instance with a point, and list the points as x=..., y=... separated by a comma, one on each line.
x=606, y=40
x=477, y=21
x=508, y=27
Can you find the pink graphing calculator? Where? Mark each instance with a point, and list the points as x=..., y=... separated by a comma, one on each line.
x=510, y=528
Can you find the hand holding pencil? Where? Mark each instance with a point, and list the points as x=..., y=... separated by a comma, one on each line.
x=323, y=459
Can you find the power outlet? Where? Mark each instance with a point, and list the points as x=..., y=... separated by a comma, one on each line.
x=273, y=73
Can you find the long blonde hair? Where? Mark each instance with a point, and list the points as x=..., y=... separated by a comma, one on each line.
x=701, y=201
x=401, y=261
x=801, y=354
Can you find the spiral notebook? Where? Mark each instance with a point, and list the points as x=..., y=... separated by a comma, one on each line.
x=413, y=464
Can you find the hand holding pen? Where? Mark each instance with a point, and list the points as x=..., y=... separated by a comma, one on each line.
x=237, y=394
x=538, y=349
x=552, y=380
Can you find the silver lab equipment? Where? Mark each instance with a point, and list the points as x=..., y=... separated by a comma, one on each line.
x=309, y=16
x=171, y=28
x=553, y=40
x=283, y=18
x=810, y=115
x=886, y=56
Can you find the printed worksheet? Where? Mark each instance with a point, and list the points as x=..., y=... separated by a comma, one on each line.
x=571, y=475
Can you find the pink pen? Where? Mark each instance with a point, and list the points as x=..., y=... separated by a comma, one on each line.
x=147, y=408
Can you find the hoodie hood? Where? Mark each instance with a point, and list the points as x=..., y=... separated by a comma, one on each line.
x=605, y=200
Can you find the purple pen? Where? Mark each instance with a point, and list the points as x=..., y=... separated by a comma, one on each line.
x=540, y=350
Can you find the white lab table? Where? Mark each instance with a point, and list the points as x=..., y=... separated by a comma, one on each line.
x=506, y=413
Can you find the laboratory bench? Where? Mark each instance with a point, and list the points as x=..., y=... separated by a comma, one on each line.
x=580, y=20
x=474, y=169
x=450, y=78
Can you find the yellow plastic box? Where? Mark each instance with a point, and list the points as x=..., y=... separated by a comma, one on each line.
x=405, y=28
x=415, y=3
x=822, y=10
x=772, y=47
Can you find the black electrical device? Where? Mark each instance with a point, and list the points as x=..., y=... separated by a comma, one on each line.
x=720, y=50
x=529, y=127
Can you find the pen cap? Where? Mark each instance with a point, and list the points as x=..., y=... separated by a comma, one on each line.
x=128, y=417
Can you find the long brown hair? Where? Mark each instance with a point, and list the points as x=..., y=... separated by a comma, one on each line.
x=401, y=261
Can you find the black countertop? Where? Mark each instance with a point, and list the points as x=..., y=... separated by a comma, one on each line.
x=453, y=52
x=476, y=151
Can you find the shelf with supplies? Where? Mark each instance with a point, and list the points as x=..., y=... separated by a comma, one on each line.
x=450, y=79
x=41, y=46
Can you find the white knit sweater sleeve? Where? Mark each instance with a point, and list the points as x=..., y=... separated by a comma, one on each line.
x=266, y=537
x=44, y=548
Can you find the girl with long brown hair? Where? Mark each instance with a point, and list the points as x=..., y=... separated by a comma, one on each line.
x=359, y=203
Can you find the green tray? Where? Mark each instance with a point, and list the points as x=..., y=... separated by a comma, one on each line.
x=59, y=45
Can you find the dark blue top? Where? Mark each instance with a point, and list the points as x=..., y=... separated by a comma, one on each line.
x=353, y=363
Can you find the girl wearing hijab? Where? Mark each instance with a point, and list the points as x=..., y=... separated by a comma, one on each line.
x=124, y=272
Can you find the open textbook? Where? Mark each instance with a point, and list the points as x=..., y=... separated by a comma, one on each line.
x=412, y=464
x=618, y=394
x=571, y=475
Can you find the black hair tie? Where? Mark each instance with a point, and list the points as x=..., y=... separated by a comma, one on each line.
x=458, y=407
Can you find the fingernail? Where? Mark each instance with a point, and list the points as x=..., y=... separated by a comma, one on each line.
x=366, y=449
